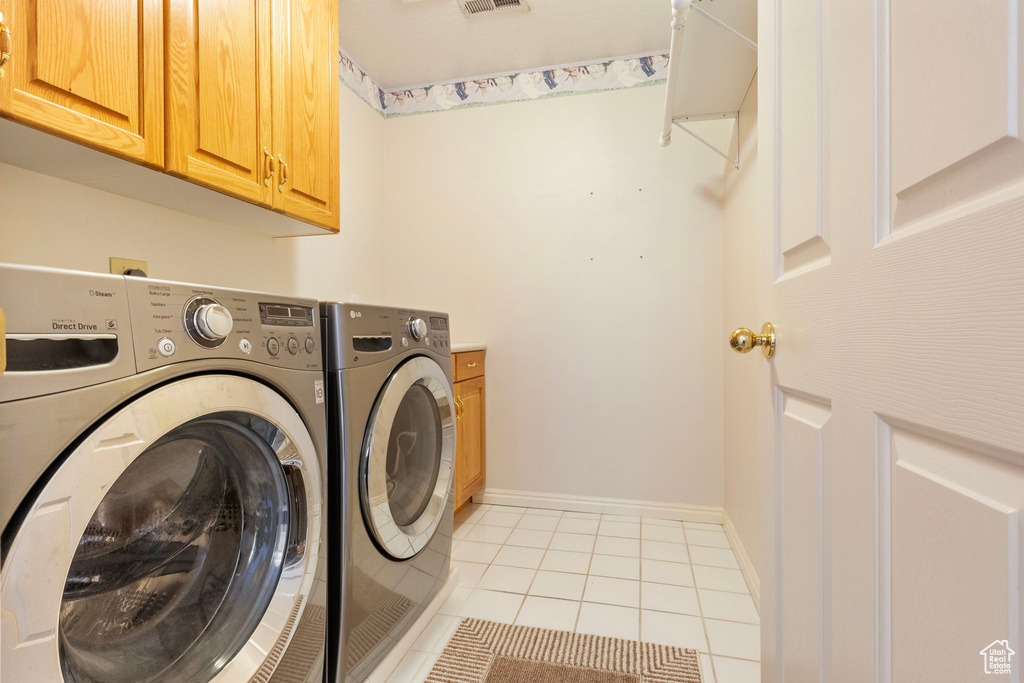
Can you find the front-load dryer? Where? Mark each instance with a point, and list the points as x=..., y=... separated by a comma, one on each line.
x=391, y=436
x=162, y=499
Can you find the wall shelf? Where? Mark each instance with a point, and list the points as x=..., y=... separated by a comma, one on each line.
x=712, y=60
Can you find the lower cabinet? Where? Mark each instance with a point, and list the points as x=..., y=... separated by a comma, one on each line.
x=471, y=448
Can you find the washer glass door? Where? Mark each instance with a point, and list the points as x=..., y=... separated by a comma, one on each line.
x=193, y=537
x=408, y=457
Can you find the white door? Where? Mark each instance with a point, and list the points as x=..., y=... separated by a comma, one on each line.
x=892, y=180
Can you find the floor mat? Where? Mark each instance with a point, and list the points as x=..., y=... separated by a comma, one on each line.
x=488, y=652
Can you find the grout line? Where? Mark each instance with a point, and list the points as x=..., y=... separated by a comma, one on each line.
x=535, y=571
x=700, y=608
x=640, y=612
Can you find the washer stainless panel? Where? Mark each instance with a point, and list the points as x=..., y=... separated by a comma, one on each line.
x=124, y=490
x=390, y=464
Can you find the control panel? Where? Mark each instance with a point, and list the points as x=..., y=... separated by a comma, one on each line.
x=174, y=322
x=65, y=330
x=361, y=334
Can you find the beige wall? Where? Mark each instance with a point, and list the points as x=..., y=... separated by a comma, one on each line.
x=742, y=309
x=51, y=222
x=557, y=231
x=590, y=261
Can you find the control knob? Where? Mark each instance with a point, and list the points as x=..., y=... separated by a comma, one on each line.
x=213, y=322
x=417, y=328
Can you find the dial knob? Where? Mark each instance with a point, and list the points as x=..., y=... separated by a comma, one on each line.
x=417, y=328
x=213, y=321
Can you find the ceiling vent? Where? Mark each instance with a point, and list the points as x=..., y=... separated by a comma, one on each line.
x=474, y=7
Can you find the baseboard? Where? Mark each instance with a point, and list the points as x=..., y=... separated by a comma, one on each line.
x=746, y=566
x=405, y=643
x=607, y=506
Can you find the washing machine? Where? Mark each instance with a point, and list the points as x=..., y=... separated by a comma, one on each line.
x=391, y=445
x=162, y=499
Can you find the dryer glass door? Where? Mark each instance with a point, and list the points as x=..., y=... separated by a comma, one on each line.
x=193, y=537
x=408, y=457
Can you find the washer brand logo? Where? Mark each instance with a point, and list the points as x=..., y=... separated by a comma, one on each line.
x=71, y=326
x=355, y=314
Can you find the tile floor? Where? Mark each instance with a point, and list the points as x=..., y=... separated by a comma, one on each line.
x=655, y=580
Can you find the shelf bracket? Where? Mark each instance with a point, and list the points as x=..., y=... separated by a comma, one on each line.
x=680, y=12
x=735, y=162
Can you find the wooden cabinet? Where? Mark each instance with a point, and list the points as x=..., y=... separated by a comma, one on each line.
x=471, y=444
x=88, y=70
x=219, y=103
x=306, y=110
x=251, y=96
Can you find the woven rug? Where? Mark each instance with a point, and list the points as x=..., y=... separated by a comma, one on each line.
x=488, y=652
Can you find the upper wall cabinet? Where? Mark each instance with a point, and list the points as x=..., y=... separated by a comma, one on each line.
x=306, y=109
x=251, y=96
x=219, y=103
x=88, y=70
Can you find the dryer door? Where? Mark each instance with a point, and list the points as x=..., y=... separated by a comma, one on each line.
x=407, y=458
x=177, y=541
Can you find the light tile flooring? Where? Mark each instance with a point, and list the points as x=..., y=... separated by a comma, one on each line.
x=655, y=580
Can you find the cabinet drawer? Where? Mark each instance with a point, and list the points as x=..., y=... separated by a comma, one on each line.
x=468, y=365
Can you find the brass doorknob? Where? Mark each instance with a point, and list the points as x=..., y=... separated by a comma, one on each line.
x=743, y=340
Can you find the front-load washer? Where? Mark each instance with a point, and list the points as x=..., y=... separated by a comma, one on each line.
x=391, y=445
x=162, y=499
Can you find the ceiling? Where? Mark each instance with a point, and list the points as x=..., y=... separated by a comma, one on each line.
x=403, y=43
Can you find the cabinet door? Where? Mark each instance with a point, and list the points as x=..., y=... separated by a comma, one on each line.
x=90, y=71
x=470, y=453
x=306, y=110
x=219, y=95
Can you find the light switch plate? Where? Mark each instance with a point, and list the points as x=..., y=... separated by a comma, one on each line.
x=119, y=266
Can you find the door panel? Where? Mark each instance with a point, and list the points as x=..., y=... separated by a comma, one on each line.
x=803, y=452
x=802, y=239
x=955, y=105
x=904, y=332
x=470, y=457
x=950, y=502
x=219, y=95
x=306, y=110
x=88, y=71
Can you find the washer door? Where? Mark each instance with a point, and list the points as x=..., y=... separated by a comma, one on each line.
x=176, y=542
x=407, y=458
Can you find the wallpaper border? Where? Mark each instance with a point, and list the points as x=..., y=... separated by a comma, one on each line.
x=517, y=86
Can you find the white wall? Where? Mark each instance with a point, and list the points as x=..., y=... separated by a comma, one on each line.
x=742, y=309
x=50, y=222
x=527, y=222
x=590, y=261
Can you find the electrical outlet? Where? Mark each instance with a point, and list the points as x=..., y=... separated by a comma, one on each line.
x=121, y=266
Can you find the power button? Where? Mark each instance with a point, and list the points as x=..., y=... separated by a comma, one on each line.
x=165, y=347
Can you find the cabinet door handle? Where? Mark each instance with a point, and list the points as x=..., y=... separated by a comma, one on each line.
x=471, y=365
x=5, y=44
x=269, y=158
x=284, y=174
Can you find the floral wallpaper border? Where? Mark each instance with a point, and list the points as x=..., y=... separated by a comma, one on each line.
x=597, y=76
